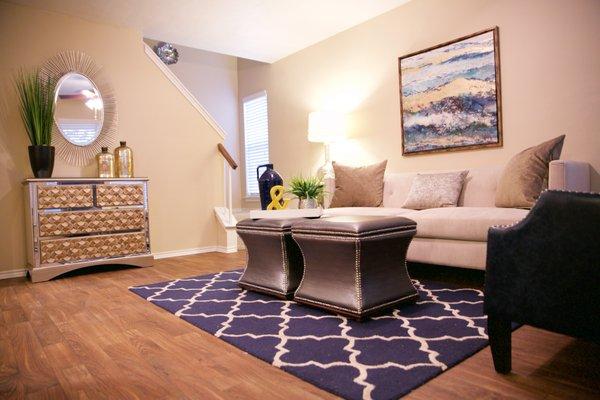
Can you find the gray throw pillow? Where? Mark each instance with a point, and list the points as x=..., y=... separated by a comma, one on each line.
x=526, y=175
x=435, y=190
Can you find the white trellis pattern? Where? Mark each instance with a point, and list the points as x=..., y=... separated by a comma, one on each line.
x=385, y=357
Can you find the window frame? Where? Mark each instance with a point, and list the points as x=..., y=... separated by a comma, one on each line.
x=250, y=97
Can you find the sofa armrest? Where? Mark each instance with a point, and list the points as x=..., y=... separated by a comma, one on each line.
x=569, y=175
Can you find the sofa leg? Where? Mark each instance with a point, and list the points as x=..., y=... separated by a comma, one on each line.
x=500, y=342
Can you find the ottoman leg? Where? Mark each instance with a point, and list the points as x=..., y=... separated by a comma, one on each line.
x=274, y=264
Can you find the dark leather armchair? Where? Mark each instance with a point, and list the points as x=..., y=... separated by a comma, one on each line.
x=545, y=271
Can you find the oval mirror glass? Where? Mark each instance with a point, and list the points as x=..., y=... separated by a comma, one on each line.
x=79, y=110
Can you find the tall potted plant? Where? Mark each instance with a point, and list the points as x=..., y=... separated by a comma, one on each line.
x=307, y=190
x=36, y=99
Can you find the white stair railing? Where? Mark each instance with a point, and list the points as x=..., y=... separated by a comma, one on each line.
x=225, y=214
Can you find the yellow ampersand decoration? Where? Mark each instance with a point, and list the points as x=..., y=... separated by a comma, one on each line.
x=277, y=200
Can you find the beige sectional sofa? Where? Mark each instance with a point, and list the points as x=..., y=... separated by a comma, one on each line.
x=457, y=236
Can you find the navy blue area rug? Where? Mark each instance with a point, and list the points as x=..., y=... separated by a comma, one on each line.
x=384, y=357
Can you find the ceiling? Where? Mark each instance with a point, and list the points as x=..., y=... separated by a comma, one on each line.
x=263, y=30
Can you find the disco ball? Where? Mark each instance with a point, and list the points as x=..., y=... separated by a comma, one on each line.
x=167, y=53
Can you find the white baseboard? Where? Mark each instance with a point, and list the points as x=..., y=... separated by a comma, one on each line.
x=225, y=249
x=13, y=273
x=21, y=272
x=195, y=250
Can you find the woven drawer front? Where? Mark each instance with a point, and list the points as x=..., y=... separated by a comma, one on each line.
x=119, y=195
x=81, y=222
x=65, y=196
x=92, y=247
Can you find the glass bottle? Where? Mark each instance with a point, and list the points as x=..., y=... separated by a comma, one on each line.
x=124, y=161
x=106, y=164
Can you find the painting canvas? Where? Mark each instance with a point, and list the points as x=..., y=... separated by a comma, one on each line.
x=450, y=96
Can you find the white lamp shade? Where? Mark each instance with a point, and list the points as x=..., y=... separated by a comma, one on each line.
x=326, y=127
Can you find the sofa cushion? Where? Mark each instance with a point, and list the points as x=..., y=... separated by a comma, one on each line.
x=367, y=211
x=463, y=223
x=480, y=185
x=396, y=187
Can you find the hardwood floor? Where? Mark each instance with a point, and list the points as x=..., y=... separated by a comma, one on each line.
x=87, y=336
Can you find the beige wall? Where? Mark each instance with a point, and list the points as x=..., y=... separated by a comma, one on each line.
x=212, y=79
x=550, y=61
x=172, y=144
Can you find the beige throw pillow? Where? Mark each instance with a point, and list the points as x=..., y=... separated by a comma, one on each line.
x=358, y=187
x=526, y=175
x=435, y=190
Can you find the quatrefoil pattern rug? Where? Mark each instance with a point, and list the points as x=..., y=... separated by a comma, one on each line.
x=384, y=357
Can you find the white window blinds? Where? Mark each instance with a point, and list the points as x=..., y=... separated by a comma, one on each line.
x=256, y=137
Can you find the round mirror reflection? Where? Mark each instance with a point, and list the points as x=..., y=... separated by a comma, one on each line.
x=79, y=110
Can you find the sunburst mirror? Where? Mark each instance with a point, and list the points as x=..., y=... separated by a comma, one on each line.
x=85, y=115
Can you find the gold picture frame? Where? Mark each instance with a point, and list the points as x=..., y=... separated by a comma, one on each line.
x=452, y=108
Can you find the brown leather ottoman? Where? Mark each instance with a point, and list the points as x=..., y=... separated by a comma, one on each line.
x=355, y=266
x=274, y=264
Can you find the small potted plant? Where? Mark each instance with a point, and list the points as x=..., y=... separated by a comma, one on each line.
x=307, y=190
x=36, y=98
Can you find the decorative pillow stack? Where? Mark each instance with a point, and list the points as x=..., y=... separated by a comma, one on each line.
x=435, y=190
x=526, y=175
x=520, y=185
x=358, y=186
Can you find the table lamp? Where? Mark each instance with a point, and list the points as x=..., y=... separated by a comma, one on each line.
x=326, y=127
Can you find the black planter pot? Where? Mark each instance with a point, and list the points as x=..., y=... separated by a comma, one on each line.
x=41, y=159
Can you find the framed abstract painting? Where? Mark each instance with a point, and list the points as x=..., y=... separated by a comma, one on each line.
x=450, y=95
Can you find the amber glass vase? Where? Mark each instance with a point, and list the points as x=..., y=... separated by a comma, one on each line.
x=124, y=161
x=106, y=164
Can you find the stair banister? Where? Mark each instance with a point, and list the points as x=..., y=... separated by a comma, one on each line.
x=230, y=165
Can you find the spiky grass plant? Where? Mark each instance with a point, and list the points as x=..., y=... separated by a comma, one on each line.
x=307, y=188
x=36, y=98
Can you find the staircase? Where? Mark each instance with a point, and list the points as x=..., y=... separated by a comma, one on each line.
x=227, y=238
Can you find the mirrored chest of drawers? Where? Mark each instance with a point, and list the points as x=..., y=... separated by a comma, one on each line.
x=74, y=223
